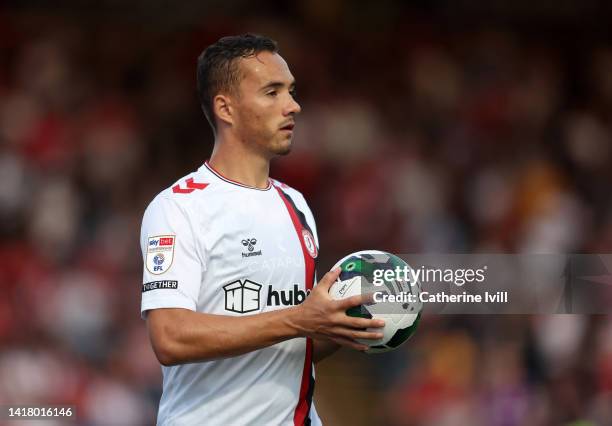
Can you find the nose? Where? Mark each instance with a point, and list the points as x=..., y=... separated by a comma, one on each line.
x=293, y=107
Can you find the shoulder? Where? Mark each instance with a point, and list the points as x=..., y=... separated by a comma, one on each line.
x=296, y=197
x=181, y=197
x=299, y=203
x=288, y=190
x=186, y=191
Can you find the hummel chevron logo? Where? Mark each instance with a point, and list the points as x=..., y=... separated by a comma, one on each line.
x=191, y=186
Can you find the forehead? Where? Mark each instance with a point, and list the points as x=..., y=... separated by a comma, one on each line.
x=264, y=68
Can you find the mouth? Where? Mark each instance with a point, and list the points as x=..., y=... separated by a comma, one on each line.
x=288, y=127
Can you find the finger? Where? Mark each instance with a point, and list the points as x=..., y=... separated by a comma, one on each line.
x=368, y=299
x=329, y=278
x=350, y=343
x=363, y=323
x=349, y=333
x=357, y=300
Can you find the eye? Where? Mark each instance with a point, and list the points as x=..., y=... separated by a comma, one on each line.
x=272, y=93
x=293, y=93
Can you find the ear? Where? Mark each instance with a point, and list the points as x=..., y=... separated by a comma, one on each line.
x=222, y=107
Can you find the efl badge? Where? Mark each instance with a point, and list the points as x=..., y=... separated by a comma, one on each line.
x=309, y=243
x=160, y=253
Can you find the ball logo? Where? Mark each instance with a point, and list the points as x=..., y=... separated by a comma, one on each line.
x=309, y=243
x=158, y=259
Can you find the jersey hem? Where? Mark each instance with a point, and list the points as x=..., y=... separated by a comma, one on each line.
x=165, y=303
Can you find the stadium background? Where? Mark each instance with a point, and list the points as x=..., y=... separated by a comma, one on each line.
x=441, y=126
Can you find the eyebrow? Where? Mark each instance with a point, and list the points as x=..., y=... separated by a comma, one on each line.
x=278, y=85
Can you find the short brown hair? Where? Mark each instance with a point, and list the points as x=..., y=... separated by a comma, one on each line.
x=217, y=71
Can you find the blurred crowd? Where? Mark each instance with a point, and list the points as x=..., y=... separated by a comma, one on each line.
x=414, y=137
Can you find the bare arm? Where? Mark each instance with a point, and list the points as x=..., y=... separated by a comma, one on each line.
x=181, y=336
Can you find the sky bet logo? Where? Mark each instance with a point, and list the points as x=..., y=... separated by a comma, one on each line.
x=163, y=241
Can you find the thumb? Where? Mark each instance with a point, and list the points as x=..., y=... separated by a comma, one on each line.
x=329, y=278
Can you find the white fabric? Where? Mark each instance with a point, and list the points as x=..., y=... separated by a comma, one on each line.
x=212, y=231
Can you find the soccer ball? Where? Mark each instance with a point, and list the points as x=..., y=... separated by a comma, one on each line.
x=363, y=272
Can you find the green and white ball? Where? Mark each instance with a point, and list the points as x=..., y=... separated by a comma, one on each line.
x=358, y=277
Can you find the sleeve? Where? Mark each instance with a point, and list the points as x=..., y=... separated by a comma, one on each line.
x=172, y=264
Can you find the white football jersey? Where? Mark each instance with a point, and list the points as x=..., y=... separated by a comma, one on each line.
x=216, y=246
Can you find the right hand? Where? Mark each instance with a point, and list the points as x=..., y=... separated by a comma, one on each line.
x=321, y=317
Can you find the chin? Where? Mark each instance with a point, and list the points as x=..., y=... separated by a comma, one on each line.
x=285, y=151
x=283, y=148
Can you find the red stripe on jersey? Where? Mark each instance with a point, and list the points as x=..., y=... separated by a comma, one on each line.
x=302, y=410
x=303, y=406
x=309, y=261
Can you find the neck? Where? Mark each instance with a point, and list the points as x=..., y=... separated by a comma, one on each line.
x=234, y=161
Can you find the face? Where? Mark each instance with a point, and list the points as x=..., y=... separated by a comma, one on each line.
x=265, y=107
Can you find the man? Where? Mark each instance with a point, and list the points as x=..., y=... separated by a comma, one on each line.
x=230, y=260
